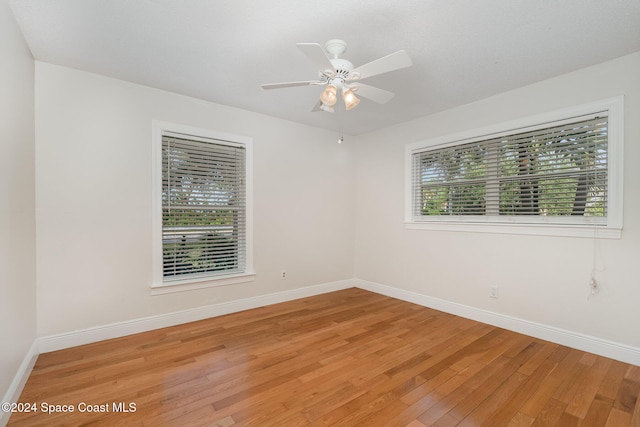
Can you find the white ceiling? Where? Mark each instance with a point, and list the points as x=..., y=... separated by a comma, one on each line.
x=222, y=50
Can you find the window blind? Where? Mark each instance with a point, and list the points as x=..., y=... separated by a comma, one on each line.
x=203, y=207
x=552, y=171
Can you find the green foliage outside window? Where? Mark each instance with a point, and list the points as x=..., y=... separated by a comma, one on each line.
x=557, y=171
x=203, y=207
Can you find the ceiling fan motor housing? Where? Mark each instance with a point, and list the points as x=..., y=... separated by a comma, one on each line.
x=341, y=67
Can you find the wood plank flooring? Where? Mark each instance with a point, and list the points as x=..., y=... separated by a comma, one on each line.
x=345, y=358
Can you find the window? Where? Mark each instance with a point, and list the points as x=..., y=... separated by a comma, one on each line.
x=560, y=174
x=202, y=217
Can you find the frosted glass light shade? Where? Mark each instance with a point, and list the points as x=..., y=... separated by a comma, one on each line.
x=329, y=97
x=350, y=99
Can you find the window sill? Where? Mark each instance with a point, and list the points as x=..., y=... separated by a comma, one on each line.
x=200, y=283
x=526, y=229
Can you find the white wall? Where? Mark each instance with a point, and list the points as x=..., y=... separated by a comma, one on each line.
x=459, y=267
x=93, y=181
x=17, y=211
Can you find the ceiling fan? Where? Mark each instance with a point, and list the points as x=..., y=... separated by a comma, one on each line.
x=338, y=74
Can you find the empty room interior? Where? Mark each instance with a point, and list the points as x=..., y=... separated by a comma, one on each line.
x=411, y=213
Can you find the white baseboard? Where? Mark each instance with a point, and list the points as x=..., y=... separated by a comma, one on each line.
x=572, y=339
x=121, y=329
x=19, y=380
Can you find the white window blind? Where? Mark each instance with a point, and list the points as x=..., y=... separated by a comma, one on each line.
x=556, y=172
x=203, y=207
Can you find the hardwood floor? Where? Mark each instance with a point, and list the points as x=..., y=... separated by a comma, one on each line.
x=341, y=359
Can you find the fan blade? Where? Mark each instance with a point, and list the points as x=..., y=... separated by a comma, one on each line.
x=380, y=96
x=316, y=55
x=392, y=62
x=291, y=84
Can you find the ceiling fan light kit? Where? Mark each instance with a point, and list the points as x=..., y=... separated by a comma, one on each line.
x=329, y=97
x=339, y=73
x=349, y=98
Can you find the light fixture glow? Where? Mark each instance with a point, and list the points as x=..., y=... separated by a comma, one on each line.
x=329, y=97
x=350, y=99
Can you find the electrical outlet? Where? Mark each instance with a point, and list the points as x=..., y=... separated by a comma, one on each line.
x=493, y=291
x=283, y=274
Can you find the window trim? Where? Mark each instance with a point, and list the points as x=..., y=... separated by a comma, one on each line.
x=510, y=225
x=158, y=286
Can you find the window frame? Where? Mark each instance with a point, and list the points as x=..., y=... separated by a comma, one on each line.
x=539, y=225
x=158, y=284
